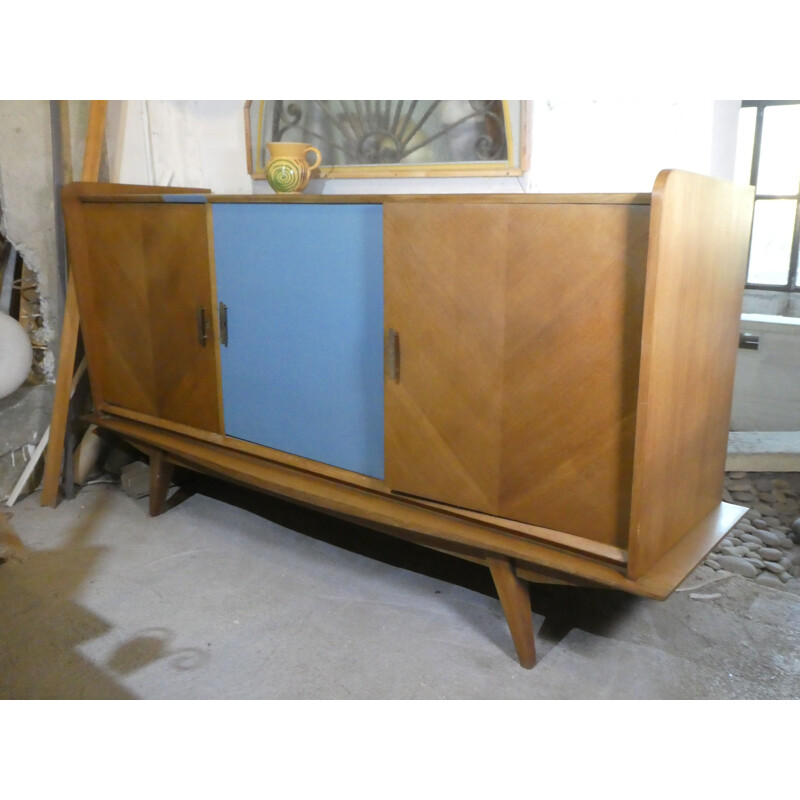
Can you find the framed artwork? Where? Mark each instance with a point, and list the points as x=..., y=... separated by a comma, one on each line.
x=394, y=138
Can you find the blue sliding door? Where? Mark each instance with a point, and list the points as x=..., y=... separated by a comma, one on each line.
x=303, y=368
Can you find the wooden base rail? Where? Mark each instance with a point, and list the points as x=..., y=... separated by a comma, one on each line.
x=512, y=591
x=513, y=562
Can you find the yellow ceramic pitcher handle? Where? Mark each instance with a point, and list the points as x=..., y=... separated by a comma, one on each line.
x=311, y=149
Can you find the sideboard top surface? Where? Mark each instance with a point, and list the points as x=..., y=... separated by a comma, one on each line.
x=122, y=193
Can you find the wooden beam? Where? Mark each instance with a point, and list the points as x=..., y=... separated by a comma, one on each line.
x=71, y=325
x=94, y=140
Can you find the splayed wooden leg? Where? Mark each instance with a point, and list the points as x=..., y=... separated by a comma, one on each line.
x=160, y=481
x=516, y=602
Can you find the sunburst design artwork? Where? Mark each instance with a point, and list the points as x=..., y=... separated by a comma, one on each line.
x=376, y=137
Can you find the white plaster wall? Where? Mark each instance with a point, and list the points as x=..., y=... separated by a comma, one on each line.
x=766, y=393
x=779, y=304
x=576, y=146
x=622, y=145
x=199, y=144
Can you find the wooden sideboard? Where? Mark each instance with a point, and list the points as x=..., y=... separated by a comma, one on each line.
x=539, y=383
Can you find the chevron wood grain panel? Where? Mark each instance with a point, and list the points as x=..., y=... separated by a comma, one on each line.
x=574, y=295
x=144, y=277
x=444, y=276
x=519, y=335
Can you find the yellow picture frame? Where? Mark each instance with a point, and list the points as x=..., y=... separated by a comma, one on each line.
x=516, y=120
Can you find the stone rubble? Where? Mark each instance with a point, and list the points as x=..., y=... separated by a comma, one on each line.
x=765, y=544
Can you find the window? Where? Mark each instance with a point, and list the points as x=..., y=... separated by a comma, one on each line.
x=394, y=138
x=768, y=157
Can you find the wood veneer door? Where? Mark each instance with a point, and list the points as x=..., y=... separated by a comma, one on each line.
x=444, y=278
x=144, y=288
x=519, y=333
x=574, y=294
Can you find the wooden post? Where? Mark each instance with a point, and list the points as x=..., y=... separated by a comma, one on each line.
x=94, y=140
x=71, y=325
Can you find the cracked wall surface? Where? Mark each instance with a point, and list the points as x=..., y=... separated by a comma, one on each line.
x=27, y=201
x=28, y=222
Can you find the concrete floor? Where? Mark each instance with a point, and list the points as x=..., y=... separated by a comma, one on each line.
x=233, y=595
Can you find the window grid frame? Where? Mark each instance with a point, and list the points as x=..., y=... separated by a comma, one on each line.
x=791, y=284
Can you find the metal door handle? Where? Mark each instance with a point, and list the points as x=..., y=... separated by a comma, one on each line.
x=393, y=355
x=223, y=324
x=202, y=326
x=748, y=341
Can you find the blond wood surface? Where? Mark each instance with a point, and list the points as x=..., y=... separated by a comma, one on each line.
x=432, y=171
x=578, y=544
x=291, y=460
x=68, y=343
x=58, y=419
x=371, y=508
x=91, y=192
x=66, y=141
x=76, y=250
x=160, y=480
x=142, y=277
x=95, y=132
x=248, y=140
x=444, y=279
x=519, y=332
x=395, y=516
x=214, y=300
x=671, y=569
x=663, y=577
x=156, y=195
x=574, y=288
x=697, y=262
x=539, y=576
x=516, y=602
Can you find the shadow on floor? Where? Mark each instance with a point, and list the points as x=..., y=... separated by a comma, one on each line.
x=596, y=611
x=43, y=626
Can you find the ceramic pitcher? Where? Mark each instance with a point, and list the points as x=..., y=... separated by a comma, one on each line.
x=288, y=170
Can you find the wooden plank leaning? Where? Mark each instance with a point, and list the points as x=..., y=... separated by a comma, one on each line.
x=71, y=325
